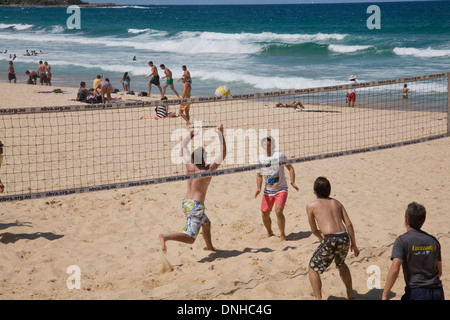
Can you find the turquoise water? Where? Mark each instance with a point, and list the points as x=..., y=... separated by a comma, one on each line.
x=248, y=48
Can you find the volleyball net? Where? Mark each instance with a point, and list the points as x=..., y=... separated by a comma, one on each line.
x=51, y=151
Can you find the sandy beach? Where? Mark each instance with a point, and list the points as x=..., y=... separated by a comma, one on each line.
x=112, y=236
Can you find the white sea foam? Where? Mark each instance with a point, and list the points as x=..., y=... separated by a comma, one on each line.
x=125, y=7
x=264, y=37
x=422, y=53
x=136, y=31
x=347, y=49
x=185, y=42
x=16, y=26
x=264, y=82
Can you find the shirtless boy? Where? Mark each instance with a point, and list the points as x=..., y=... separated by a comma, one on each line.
x=336, y=235
x=11, y=73
x=41, y=73
x=405, y=91
x=169, y=80
x=186, y=74
x=185, y=93
x=154, y=79
x=193, y=203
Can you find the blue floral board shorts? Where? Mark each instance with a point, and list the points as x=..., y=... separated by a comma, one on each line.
x=195, y=217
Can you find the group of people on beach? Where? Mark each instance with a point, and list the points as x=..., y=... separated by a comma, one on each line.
x=417, y=252
x=102, y=88
x=185, y=90
x=99, y=93
x=43, y=73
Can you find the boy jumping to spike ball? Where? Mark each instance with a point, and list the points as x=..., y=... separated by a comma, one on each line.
x=193, y=203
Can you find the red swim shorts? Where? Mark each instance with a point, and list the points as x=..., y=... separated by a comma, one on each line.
x=351, y=97
x=268, y=201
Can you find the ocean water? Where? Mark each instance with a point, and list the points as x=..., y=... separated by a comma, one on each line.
x=249, y=48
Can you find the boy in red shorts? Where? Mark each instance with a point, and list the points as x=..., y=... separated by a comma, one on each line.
x=276, y=188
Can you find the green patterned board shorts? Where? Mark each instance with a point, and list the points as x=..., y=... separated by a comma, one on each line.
x=333, y=247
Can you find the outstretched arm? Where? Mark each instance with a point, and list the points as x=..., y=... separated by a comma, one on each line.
x=184, y=147
x=223, y=151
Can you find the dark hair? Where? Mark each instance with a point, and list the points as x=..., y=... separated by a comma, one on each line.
x=322, y=187
x=161, y=66
x=416, y=214
x=82, y=83
x=184, y=67
x=405, y=85
x=150, y=62
x=269, y=138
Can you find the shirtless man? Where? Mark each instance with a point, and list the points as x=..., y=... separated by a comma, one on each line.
x=154, y=80
x=32, y=76
x=41, y=73
x=185, y=93
x=11, y=73
x=186, y=74
x=193, y=203
x=336, y=236
x=405, y=91
x=169, y=80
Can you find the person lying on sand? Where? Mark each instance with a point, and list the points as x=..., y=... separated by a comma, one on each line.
x=294, y=104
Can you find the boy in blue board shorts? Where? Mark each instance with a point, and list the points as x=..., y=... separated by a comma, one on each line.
x=193, y=204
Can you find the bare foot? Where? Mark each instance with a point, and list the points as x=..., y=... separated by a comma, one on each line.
x=209, y=249
x=163, y=243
